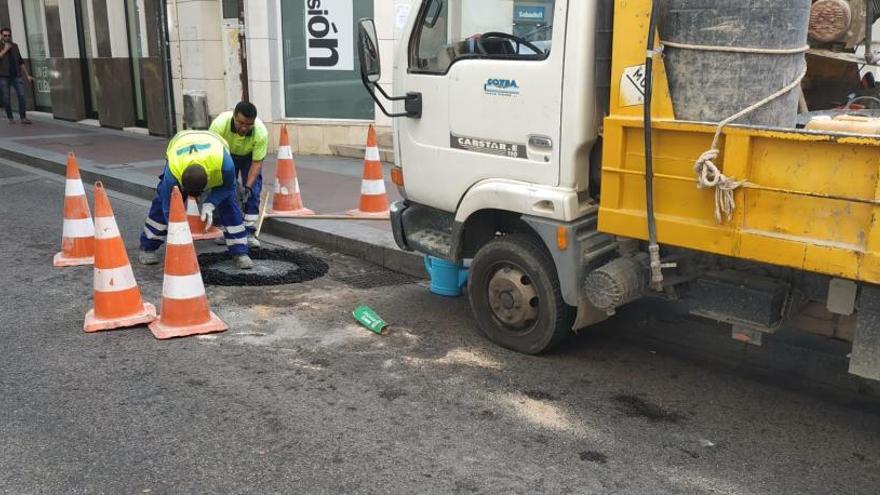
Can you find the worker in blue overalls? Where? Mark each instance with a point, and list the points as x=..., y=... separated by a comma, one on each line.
x=198, y=162
x=248, y=141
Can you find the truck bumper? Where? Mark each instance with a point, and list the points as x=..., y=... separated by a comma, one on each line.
x=397, y=210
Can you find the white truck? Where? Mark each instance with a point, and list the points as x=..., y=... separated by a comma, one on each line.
x=503, y=112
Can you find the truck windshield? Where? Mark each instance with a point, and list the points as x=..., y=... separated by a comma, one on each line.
x=449, y=30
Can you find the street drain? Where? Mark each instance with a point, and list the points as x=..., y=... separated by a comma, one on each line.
x=374, y=280
x=271, y=267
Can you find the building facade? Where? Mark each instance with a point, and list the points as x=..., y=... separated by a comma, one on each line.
x=166, y=65
x=160, y=65
x=95, y=59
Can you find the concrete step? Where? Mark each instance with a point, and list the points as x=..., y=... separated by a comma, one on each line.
x=358, y=151
x=385, y=139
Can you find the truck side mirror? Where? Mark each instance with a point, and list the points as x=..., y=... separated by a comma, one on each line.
x=371, y=73
x=368, y=51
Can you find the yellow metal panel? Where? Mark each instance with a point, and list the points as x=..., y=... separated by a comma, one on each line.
x=820, y=171
x=812, y=201
x=754, y=246
x=807, y=219
x=870, y=266
x=631, y=19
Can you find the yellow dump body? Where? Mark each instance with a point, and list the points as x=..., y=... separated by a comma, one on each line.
x=812, y=201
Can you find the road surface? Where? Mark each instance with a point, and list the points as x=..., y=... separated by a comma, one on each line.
x=296, y=398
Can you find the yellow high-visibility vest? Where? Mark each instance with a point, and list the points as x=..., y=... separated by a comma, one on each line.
x=202, y=148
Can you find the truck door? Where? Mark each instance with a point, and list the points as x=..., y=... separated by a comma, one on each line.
x=490, y=74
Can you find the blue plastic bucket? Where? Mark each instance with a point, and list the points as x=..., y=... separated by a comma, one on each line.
x=447, y=279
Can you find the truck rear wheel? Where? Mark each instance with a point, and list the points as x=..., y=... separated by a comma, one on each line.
x=515, y=296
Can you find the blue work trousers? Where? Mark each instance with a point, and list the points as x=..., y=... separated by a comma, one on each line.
x=227, y=216
x=251, y=207
x=6, y=85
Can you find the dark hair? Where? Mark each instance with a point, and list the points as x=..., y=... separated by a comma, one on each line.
x=246, y=108
x=194, y=179
x=5, y=30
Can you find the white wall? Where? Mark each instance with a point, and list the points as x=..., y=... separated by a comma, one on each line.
x=16, y=20
x=69, y=35
x=203, y=53
x=232, y=60
x=264, y=63
x=117, y=26
x=196, y=47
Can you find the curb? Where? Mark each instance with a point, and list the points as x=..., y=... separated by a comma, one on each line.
x=391, y=258
x=110, y=182
x=357, y=151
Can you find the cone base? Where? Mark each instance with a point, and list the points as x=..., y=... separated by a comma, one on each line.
x=368, y=214
x=302, y=212
x=162, y=331
x=61, y=261
x=209, y=235
x=93, y=324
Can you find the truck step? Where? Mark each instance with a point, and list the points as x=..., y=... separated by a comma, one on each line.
x=432, y=242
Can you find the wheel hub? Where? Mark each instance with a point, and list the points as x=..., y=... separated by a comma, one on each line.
x=512, y=297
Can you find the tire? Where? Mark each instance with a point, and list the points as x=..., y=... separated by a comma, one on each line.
x=519, y=254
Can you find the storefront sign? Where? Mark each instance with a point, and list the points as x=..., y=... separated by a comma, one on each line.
x=329, y=32
x=529, y=13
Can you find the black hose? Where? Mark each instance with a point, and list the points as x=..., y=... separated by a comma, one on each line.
x=654, y=248
x=872, y=10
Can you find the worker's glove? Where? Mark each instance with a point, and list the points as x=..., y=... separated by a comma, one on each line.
x=246, y=194
x=208, y=215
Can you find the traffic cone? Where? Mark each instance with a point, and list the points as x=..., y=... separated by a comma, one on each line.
x=374, y=199
x=196, y=225
x=184, y=309
x=78, y=232
x=287, y=201
x=118, y=302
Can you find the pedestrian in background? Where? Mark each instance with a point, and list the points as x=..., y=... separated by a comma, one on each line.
x=12, y=67
x=248, y=141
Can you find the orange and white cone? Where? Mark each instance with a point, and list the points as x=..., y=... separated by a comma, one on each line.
x=374, y=198
x=118, y=302
x=78, y=232
x=185, y=308
x=287, y=201
x=196, y=225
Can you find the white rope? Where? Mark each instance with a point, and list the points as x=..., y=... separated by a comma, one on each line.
x=708, y=174
x=737, y=49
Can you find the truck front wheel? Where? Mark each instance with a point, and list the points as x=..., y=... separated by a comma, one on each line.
x=515, y=296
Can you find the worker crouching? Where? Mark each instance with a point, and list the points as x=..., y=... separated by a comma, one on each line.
x=200, y=164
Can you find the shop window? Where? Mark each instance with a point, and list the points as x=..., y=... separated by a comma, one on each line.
x=321, y=77
x=38, y=52
x=451, y=30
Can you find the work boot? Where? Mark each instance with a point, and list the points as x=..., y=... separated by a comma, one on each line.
x=244, y=262
x=253, y=242
x=149, y=257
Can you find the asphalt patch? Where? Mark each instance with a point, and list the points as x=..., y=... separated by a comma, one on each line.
x=637, y=407
x=593, y=456
x=272, y=267
x=540, y=395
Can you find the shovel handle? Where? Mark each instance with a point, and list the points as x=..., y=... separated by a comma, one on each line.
x=264, y=206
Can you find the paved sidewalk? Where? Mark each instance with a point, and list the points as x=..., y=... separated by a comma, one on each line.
x=131, y=163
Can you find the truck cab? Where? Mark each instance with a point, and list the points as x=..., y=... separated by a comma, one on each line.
x=512, y=118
